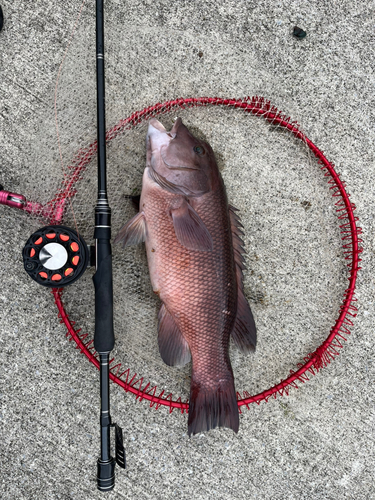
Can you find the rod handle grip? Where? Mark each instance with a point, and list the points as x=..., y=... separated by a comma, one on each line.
x=104, y=337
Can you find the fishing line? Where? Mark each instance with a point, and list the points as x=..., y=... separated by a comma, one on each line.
x=65, y=174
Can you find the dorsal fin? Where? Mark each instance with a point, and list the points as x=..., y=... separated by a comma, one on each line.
x=238, y=242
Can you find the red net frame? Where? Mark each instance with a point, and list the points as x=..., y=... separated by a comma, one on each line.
x=350, y=235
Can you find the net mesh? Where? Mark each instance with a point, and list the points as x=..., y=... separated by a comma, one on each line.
x=296, y=270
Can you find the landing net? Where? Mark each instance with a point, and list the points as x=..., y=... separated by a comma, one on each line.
x=301, y=233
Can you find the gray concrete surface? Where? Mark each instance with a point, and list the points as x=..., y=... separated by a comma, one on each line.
x=317, y=443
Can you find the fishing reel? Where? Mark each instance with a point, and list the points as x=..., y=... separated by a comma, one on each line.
x=55, y=256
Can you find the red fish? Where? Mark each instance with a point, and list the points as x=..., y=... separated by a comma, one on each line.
x=195, y=257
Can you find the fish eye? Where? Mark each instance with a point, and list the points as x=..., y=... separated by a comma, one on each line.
x=199, y=150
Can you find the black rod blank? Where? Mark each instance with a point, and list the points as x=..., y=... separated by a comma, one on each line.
x=100, y=86
x=104, y=335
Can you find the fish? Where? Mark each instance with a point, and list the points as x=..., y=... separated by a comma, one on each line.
x=195, y=255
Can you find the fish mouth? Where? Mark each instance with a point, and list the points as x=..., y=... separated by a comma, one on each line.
x=157, y=129
x=160, y=127
x=156, y=124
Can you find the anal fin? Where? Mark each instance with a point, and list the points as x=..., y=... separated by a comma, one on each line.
x=173, y=347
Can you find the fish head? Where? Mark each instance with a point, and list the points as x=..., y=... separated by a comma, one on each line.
x=181, y=159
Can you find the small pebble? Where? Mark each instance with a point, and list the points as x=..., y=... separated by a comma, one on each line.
x=299, y=33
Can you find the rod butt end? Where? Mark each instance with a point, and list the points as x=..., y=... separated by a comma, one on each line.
x=106, y=475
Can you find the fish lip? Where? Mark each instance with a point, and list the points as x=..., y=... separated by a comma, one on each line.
x=158, y=132
x=157, y=125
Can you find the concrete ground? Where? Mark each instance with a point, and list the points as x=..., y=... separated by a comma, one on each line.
x=317, y=443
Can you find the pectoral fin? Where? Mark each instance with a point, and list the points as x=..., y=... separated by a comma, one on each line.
x=190, y=229
x=133, y=232
x=173, y=347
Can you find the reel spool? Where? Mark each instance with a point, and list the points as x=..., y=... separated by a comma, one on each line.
x=55, y=256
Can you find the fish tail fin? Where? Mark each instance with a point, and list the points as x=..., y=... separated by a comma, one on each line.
x=212, y=407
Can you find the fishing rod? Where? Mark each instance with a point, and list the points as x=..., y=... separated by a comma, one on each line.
x=56, y=256
x=104, y=339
